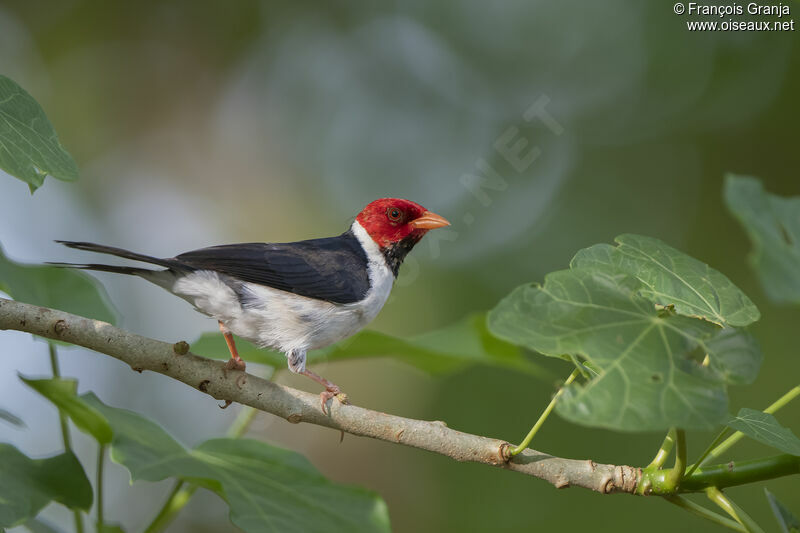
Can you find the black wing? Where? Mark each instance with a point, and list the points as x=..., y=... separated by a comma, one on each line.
x=332, y=269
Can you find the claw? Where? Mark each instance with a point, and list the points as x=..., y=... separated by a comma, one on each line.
x=331, y=390
x=227, y=403
x=235, y=364
x=327, y=394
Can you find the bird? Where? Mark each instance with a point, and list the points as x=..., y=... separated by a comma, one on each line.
x=294, y=296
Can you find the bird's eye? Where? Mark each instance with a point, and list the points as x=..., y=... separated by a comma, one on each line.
x=394, y=214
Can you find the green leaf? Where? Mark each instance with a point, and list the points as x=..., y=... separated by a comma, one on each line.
x=773, y=224
x=58, y=288
x=672, y=278
x=267, y=488
x=443, y=350
x=737, y=356
x=11, y=418
x=37, y=482
x=764, y=428
x=35, y=525
x=63, y=394
x=29, y=147
x=649, y=359
x=788, y=521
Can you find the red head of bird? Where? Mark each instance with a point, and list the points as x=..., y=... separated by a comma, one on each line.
x=392, y=221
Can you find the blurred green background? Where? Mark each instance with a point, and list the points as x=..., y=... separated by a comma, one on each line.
x=199, y=123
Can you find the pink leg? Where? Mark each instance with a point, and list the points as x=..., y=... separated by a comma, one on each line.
x=331, y=390
x=235, y=362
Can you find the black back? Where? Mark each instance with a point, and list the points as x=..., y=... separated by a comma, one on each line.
x=332, y=269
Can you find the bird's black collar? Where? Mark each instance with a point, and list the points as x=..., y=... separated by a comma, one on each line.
x=394, y=254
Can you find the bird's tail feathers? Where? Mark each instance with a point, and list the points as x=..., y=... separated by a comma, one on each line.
x=106, y=268
x=119, y=252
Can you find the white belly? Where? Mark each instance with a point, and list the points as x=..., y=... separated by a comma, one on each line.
x=281, y=320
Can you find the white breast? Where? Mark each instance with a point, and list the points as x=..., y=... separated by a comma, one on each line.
x=286, y=321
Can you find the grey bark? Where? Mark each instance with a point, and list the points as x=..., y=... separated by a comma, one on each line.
x=211, y=377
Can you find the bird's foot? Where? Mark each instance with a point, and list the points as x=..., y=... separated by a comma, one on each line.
x=235, y=364
x=332, y=391
x=227, y=403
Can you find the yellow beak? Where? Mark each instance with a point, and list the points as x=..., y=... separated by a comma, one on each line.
x=429, y=220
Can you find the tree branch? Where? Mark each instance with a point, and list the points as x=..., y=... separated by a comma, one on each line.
x=210, y=376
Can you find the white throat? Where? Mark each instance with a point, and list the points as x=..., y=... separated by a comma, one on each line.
x=369, y=245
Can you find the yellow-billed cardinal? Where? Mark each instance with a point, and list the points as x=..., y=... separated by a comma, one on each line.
x=295, y=296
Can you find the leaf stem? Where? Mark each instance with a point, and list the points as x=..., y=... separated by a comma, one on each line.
x=101, y=454
x=707, y=451
x=663, y=452
x=176, y=500
x=529, y=437
x=749, y=523
x=741, y=472
x=675, y=476
x=737, y=436
x=736, y=512
x=182, y=492
x=721, y=501
x=708, y=514
x=76, y=514
x=723, y=475
x=62, y=418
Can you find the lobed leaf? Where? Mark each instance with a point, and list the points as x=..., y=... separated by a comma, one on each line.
x=788, y=522
x=672, y=278
x=63, y=394
x=58, y=288
x=37, y=482
x=443, y=350
x=29, y=146
x=764, y=428
x=773, y=225
x=736, y=357
x=267, y=488
x=649, y=359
